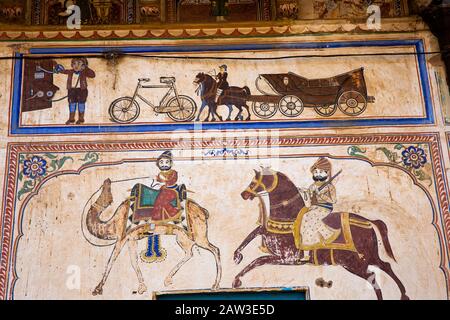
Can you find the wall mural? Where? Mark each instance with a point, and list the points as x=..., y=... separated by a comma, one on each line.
x=144, y=162
x=148, y=91
x=104, y=12
x=333, y=9
x=297, y=213
x=93, y=12
x=231, y=10
x=96, y=12
x=13, y=12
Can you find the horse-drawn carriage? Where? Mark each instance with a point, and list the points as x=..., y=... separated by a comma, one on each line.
x=291, y=93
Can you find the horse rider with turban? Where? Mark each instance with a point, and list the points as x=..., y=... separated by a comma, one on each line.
x=322, y=195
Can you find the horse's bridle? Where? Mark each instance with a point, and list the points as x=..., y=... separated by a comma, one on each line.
x=212, y=91
x=258, y=183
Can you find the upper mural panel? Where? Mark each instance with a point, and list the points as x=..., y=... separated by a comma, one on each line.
x=103, y=12
x=334, y=9
x=78, y=89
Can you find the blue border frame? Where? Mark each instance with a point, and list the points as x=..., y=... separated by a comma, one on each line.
x=418, y=43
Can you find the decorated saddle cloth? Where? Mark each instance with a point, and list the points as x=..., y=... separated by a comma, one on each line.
x=144, y=198
x=340, y=240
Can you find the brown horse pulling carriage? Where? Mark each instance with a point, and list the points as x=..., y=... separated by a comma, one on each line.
x=291, y=93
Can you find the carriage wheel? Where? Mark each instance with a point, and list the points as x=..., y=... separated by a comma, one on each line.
x=124, y=110
x=352, y=103
x=186, y=109
x=291, y=106
x=264, y=110
x=326, y=110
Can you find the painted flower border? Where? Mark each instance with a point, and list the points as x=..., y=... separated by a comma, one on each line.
x=12, y=169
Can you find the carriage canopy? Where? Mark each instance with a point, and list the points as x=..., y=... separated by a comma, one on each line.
x=282, y=83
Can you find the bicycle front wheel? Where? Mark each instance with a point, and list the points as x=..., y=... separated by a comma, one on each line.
x=184, y=111
x=124, y=110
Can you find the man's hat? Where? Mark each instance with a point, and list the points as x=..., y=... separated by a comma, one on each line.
x=323, y=164
x=82, y=59
x=224, y=66
x=165, y=155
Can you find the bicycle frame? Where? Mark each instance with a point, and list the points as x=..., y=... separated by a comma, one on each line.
x=171, y=87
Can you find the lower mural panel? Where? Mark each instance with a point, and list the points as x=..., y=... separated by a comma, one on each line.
x=347, y=217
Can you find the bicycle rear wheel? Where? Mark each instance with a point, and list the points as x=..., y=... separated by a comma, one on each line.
x=124, y=110
x=185, y=111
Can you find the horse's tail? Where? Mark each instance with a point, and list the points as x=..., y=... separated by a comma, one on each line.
x=382, y=228
x=247, y=90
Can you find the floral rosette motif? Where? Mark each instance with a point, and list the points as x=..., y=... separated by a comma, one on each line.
x=414, y=157
x=37, y=167
x=34, y=167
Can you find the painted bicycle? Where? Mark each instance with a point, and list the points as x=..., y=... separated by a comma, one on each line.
x=179, y=108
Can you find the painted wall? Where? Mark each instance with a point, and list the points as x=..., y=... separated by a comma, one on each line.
x=68, y=189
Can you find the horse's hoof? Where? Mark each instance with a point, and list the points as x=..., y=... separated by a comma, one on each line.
x=168, y=282
x=248, y=119
x=237, y=283
x=237, y=257
x=236, y=119
x=404, y=297
x=228, y=119
x=220, y=118
x=213, y=120
x=215, y=286
x=98, y=291
x=142, y=288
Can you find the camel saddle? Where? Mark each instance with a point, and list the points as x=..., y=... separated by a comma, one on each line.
x=143, y=200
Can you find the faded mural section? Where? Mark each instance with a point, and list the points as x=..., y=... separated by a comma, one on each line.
x=366, y=216
x=273, y=157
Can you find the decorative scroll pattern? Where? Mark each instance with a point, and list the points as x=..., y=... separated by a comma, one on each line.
x=34, y=168
x=413, y=158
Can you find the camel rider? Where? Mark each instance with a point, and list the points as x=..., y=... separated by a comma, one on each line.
x=322, y=195
x=163, y=208
x=221, y=79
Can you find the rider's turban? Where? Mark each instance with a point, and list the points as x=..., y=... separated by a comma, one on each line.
x=323, y=164
x=166, y=155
